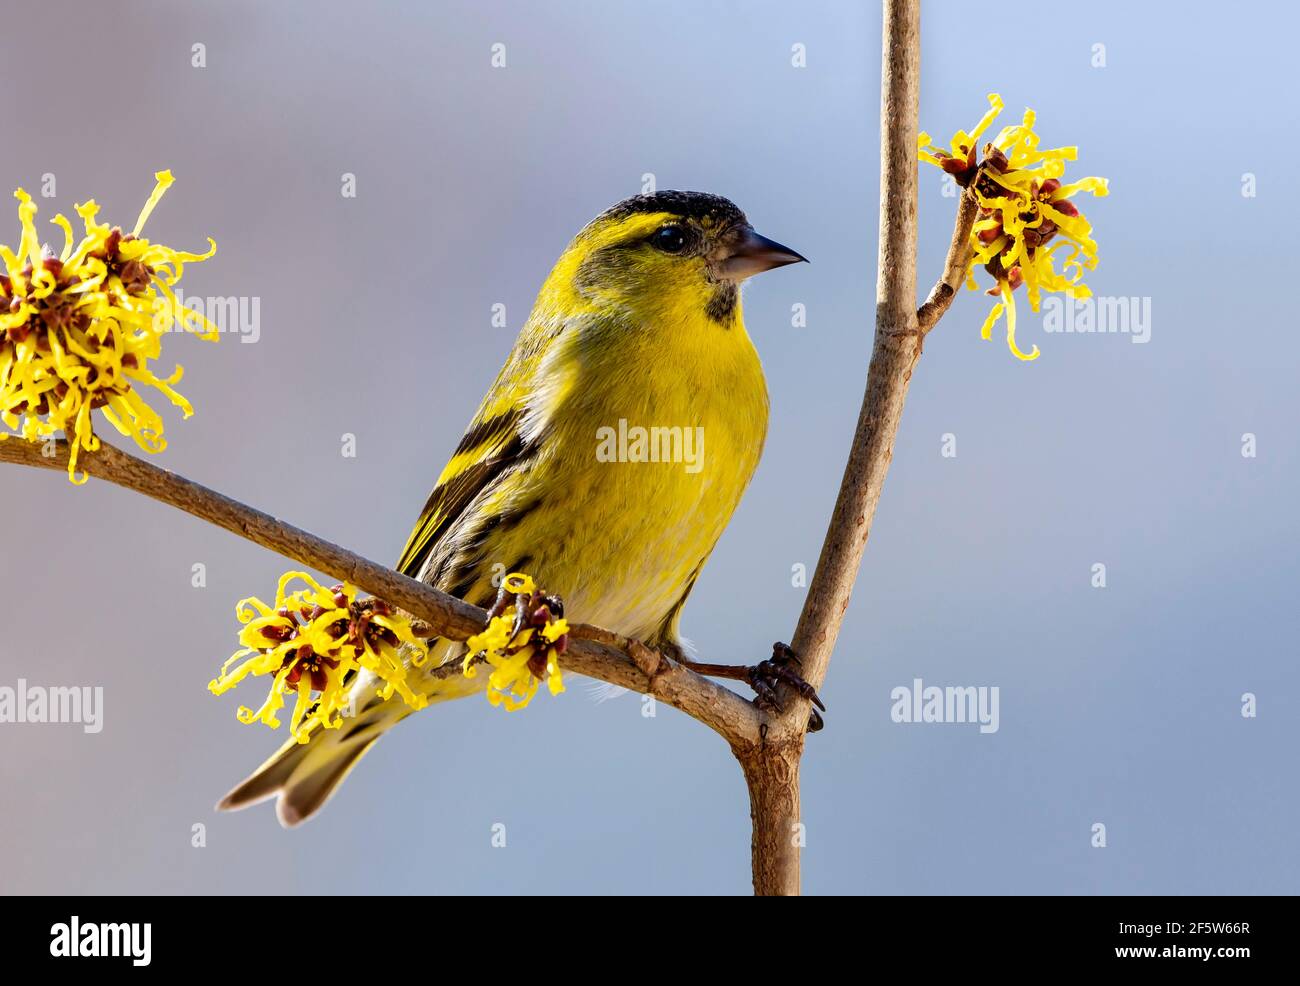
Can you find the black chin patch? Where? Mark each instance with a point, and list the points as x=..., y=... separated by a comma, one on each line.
x=722, y=306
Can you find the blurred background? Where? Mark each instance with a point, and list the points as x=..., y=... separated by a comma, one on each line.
x=1119, y=705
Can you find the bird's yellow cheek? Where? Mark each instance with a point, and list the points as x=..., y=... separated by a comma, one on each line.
x=675, y=292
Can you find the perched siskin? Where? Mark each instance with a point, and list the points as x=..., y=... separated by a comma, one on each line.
x=606, y=461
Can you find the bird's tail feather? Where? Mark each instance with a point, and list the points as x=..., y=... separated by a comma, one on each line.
x=305, y=775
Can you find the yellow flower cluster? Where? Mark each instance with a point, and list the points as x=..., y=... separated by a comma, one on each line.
x=313, y=641
x=522, y=647
x=1022, y=206
x=77, y=330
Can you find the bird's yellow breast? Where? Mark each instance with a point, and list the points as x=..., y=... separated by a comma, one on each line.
x=654, y=428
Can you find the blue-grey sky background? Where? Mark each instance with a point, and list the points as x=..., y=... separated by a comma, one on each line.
x=1119, y=705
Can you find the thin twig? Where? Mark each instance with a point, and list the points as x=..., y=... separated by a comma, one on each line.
x=896, y=348
x=592, y=651
x=772, y=772
x=954, y=267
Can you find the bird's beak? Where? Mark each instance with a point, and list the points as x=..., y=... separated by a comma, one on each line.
x=751, y=254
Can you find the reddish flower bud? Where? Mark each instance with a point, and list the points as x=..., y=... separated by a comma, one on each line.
x=996, y=158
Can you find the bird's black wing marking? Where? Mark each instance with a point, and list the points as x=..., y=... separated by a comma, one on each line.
x=495, y=446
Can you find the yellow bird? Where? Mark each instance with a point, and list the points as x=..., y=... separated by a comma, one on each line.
x=606, y=460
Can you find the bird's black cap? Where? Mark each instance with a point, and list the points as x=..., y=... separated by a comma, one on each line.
x=700, y=206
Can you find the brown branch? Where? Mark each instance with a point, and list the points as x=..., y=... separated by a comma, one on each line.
x=773, y=772
x=897, y=346
x=954, y=266
x=592, y=651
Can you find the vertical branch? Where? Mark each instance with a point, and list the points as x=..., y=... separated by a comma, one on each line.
x=772, y=771
x=897, y=346
x=772, y=776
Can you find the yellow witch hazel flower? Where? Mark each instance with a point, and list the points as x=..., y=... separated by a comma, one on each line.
x=1022, y=206
x=312, y=641
x=522, y=647
x=77, y=330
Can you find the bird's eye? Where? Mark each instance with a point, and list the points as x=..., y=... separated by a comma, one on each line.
x=669, y=239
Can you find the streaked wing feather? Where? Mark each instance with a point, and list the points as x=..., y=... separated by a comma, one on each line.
x=504, y=431
x=489, y=447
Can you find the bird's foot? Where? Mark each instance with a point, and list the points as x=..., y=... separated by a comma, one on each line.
x=780, y=669
x=764, y=678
